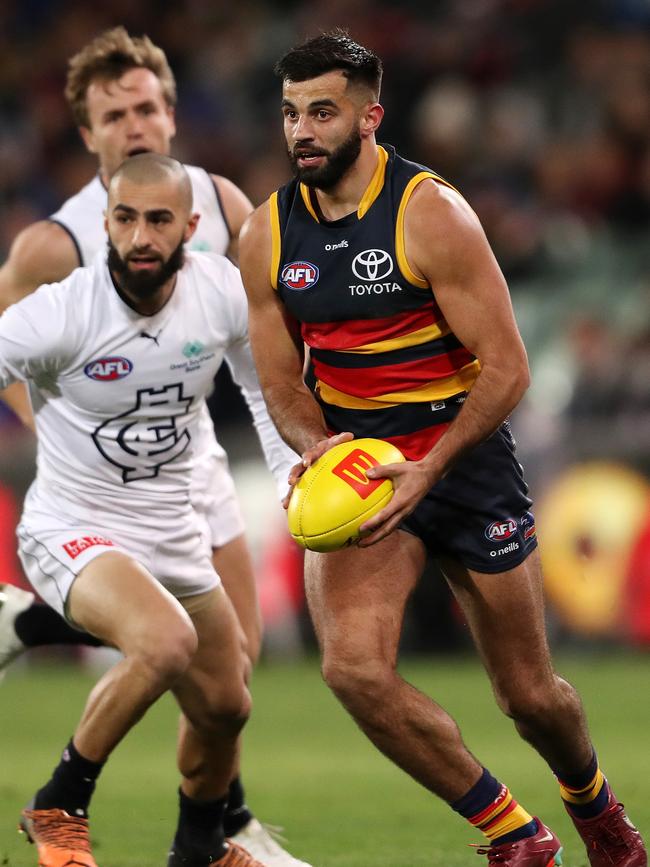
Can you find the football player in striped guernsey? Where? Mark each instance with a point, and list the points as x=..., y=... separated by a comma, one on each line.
x=382, y=269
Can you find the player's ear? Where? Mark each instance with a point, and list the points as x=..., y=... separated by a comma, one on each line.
x=190, y=229
x=171, y=116
x=371, y=119
x=88, y=139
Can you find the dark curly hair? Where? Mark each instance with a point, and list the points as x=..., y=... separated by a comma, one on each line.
x=328, y=52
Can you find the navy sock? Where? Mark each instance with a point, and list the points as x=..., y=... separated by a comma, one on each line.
x=200, y=832
x=490, y=807
x=237, y=813
x=71, y=785
x=585, y=794
x=39, y=624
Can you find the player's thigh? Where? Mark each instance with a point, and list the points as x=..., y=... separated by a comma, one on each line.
x=357, y=595
x=234, y=564
x=115, y=598
x=505, y=612
x=214, y=683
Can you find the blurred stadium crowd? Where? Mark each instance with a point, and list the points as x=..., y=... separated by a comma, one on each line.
x=537, y=110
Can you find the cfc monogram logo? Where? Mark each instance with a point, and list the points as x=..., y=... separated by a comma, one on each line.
x=352, y=470
x=150, y=434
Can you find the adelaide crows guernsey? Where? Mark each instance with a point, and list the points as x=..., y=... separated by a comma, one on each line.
x=385, y=362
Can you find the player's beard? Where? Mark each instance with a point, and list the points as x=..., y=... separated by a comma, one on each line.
x=142, y=284
x=337, y=163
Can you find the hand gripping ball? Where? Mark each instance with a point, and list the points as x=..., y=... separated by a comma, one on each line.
x=334, y=496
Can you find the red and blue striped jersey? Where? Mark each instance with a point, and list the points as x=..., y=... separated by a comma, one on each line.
x=385, y=362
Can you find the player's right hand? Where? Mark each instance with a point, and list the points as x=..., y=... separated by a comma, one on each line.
x=310, y=456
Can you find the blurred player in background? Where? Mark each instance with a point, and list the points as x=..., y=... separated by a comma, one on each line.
x=412, y=339
x=122, y=94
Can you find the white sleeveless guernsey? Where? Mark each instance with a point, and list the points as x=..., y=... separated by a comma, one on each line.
x=82, y=216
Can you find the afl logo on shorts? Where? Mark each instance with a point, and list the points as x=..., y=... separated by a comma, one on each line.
x=299, y=275
x=108, y=369
x=500, y=531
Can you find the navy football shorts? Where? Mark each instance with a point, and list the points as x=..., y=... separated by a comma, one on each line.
x=479, y=514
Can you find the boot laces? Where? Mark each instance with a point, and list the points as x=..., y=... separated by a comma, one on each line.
x=498, y=855
x=608, y=832
x=238, y=857
x=58, y=829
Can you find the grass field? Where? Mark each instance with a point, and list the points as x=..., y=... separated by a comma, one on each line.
x=306, y=767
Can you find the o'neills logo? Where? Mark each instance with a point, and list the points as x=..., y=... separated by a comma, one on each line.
x=352, y=470
x=77, y=546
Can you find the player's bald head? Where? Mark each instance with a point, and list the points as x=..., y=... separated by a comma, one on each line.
x=156, y=171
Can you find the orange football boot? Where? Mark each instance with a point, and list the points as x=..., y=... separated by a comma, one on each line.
x=236, y=856
x=61, y=840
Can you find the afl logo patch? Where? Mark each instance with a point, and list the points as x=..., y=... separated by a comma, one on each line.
x=499, y=531
x=108, y=369
x=299, y=275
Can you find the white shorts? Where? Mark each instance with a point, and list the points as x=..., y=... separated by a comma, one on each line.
x=215, y=499
x=54, y=548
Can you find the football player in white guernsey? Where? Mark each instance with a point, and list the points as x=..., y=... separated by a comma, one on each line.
x=122, y=94
x=109, y=535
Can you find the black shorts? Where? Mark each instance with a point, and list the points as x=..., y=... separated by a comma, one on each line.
x=479, y=513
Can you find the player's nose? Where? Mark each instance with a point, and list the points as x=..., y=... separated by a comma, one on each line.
x=141, y=238
x=302, y=130
x=133, y=126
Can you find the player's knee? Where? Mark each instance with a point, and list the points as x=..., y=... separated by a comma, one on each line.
x=223, y=711
x=168, y=653
x=527, y=703
x=356, y=680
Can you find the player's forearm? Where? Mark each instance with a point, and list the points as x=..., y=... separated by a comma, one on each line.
x=296, y=415
x=17, y=399
x=493, y=397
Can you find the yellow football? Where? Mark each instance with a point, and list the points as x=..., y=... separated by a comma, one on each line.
x=334, y=496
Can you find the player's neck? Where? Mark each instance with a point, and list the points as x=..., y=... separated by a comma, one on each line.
x=146, y=306
x=345, y=197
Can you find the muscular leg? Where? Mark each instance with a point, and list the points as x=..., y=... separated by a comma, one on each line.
x=357, y=597
x=234, y=564
x=214, y=700
x=117, y=600
x=215, y=704
x=505, y=612
x=35, y=624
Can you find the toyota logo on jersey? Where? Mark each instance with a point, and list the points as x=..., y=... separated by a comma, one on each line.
x=372, y=265
x=299, y=275
x=108, y=369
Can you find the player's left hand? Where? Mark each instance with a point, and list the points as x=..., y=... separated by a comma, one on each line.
x=411, y=481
